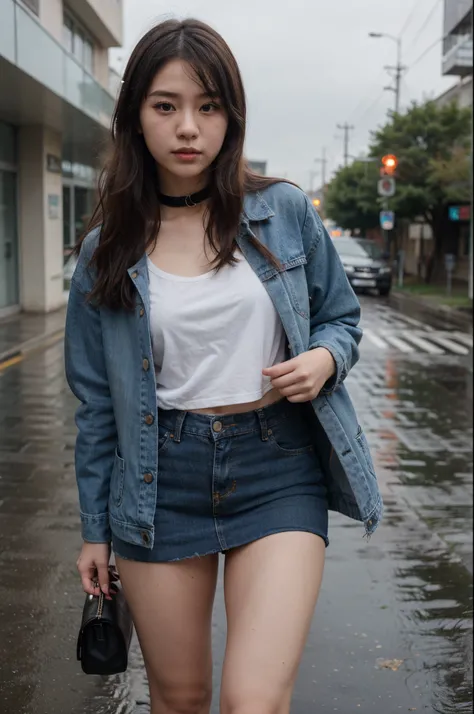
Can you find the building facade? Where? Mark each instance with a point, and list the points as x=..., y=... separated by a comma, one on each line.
x=456, y=61
x=56, y=103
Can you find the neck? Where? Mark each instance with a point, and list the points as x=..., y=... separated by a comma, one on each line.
x=176, y=186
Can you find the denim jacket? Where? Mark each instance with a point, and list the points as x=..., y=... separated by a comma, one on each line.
x=108, y=352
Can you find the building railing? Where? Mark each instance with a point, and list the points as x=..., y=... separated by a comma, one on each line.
x=457, y=60
x=28, y=45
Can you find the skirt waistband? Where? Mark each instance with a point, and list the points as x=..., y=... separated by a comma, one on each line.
x=228, y=425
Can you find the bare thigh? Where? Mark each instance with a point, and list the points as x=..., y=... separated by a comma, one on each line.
x=171, y=605
x=271, y=589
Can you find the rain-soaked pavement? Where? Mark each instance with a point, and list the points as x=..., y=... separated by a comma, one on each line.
x=392, y=631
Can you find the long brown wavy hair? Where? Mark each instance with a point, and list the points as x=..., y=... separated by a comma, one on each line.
x=128, y=210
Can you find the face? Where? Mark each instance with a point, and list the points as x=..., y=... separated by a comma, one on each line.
x=183, y=128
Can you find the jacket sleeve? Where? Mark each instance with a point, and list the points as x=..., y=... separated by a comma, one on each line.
x=334, y=307
x=97, y=435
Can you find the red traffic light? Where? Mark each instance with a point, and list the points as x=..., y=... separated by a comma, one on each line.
x=389, y=164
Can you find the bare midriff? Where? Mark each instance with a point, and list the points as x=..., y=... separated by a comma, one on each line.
x=269, y=398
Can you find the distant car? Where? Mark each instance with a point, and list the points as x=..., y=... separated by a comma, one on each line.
x=365, y=263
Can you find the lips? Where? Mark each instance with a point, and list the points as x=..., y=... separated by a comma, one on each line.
x=187, y=152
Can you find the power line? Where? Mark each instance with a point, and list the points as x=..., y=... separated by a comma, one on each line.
x=424, y=53
x=409, y=18
x=425, y=23
x=372, y=105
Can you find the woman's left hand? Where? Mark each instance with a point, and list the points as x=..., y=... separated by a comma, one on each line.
x=301, y=379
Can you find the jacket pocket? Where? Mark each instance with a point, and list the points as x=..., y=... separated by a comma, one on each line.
x=118, y=479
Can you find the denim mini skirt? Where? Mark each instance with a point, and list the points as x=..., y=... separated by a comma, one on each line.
x=225, y=481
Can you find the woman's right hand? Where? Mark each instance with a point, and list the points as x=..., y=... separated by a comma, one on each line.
x=93, y=566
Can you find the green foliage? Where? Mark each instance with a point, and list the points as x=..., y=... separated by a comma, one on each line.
x=432, y=145
x=351, y=198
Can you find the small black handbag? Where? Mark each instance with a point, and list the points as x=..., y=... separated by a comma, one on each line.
x=106, y=632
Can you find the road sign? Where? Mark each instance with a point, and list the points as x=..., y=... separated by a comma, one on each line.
x=450, y=261
x=387, y=220
x=386, y=187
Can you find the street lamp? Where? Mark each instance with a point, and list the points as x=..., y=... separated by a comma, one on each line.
x=399, y=67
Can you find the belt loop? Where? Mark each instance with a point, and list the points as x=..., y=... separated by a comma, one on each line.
x=179, y=425
x=263, y=424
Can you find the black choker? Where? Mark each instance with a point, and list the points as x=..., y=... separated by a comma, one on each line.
x=182, y=201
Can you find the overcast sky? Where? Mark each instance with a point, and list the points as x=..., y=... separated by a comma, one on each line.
x=309, y=65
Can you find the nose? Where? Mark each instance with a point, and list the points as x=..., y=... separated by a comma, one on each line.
x=188, y=128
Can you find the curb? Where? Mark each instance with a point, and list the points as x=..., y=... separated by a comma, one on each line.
x=20, y=351
x=449, y=313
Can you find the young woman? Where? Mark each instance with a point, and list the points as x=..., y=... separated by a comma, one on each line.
x=210, y=328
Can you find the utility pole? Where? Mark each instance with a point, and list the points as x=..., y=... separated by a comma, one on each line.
x=323, y=161
x=346, y=128
x=398, y=69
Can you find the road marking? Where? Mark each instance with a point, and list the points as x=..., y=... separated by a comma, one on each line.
x=399, y=344
x=378, y=342
x=450, y=345
x=10, y=362
x=464, y=338
x=417, y=323
x=424, y=344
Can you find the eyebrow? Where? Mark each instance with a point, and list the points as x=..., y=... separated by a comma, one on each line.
x=175, y=95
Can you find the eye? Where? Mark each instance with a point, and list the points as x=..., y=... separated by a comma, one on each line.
x=210, y=107
x=164, y=107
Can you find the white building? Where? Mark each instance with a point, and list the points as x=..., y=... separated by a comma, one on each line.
x=56, y=103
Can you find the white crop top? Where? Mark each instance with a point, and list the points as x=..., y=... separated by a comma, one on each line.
x=212, y=335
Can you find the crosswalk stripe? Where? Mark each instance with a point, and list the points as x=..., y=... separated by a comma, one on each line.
x=416, y=323
x=450, y=345
x=397, y=342
x=462, y=337
x=424, y=344
x=378, y=342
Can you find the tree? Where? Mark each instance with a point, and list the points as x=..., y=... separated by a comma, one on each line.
x=432, y=145
x=351, y=197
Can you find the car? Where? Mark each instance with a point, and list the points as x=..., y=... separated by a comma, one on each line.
x=366, y=265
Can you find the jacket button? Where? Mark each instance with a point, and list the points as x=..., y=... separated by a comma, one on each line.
x=149, y=419
x=134, y=274
x=142, y=312
x=146, y=365
x=148, y=478
x=145, y=537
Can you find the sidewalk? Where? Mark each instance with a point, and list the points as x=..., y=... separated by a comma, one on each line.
x=412, y=303
x=22, y=332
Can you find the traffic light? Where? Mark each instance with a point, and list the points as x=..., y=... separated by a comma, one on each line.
x=316, y=202
x=389, y=165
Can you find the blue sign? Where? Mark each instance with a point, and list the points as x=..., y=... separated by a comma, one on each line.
x=387, y=220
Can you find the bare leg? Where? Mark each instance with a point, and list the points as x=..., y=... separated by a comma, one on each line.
x=271, y=588
x=171, y=604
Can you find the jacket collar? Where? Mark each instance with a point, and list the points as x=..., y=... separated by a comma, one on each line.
x=256, y=208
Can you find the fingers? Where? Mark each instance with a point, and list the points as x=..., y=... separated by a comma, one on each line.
x=88, y=578
x=94, y=572
x=278, y=370
x=103, y=573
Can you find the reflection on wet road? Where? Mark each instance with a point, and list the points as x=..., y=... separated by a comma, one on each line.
x=392, y=630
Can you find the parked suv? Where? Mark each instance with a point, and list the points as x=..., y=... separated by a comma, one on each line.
x=365, y=263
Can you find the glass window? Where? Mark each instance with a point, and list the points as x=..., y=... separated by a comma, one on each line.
x=88, y=55
x=78, y=45
x=8, y=240
x=68, y=34
x=7, y=144
x=33, y=5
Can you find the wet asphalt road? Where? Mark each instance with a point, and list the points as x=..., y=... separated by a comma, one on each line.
x=392, y=631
